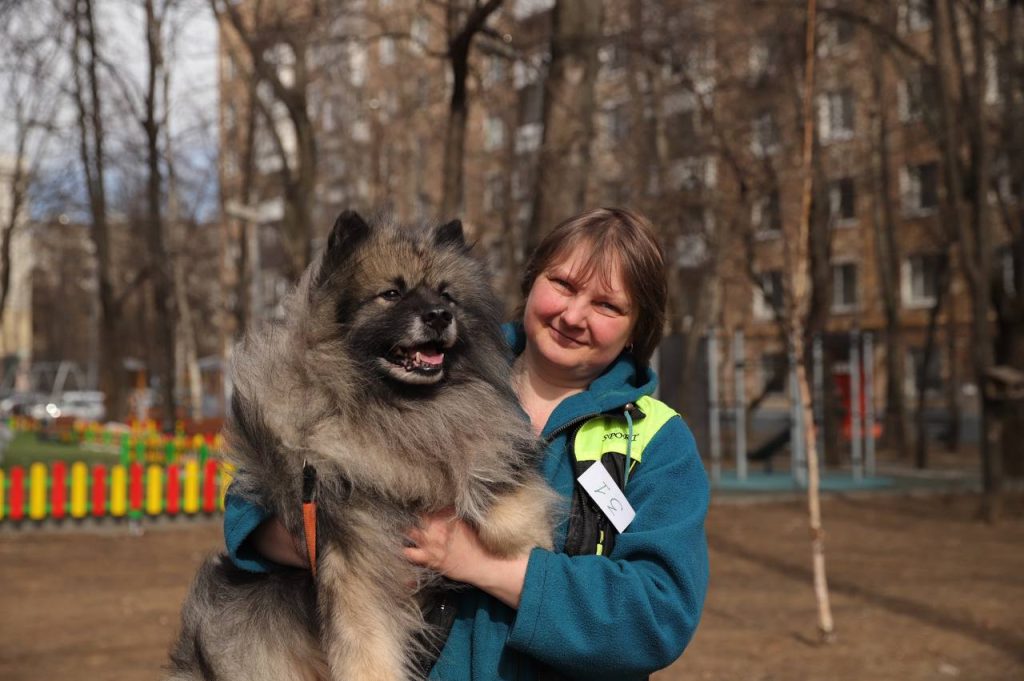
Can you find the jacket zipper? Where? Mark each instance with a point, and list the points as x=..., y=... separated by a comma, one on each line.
x=629, y=406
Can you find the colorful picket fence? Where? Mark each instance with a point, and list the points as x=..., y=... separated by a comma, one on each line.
x=142, y=442
x=78, y=491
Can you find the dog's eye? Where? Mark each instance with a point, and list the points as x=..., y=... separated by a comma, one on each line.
x=392, y=294
x=447, y=297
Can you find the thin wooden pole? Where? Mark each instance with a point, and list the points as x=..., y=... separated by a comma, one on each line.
x=798, y=302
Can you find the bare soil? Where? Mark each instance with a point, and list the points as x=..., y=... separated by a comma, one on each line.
x=920, y=590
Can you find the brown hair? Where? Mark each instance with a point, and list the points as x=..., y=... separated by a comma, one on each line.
x=613, y=236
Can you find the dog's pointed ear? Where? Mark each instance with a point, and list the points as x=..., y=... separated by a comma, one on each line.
x=450, y=234
x=349, y=230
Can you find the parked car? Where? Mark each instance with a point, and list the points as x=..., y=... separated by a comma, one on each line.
x=19, y=404
x=86, y=405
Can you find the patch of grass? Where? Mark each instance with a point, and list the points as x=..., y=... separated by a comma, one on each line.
x=27, y=449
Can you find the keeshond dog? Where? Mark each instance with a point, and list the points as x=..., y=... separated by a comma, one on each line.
x=389, y=377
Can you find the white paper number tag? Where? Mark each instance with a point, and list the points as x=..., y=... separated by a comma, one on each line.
x=607, y=495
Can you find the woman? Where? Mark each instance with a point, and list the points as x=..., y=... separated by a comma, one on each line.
x=595, y=294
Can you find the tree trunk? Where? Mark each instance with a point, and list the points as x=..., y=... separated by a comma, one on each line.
x=92, y=151
x=981, y=348
x=568, y=115
x=459, y=45
x=17, y=203
x=942, y=287
x=796, y=306
x=159, y=259
x=887, y=255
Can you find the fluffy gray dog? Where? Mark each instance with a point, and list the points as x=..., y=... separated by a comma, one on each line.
x=389, y=377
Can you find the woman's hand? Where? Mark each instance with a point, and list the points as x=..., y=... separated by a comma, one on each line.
x=452, y=547
x=273, y=541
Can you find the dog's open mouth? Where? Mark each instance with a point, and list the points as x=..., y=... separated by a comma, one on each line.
x=424, y=360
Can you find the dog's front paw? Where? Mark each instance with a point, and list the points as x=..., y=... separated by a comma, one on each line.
x=520, y=521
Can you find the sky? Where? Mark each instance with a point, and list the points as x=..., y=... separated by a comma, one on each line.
x=192, y=56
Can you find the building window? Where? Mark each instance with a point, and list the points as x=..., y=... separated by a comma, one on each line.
x=692, y=173
x=521, y=9
x=357, y=64
x=918, y=95
x=766, y=216
x=386, y=51
x=842, y=201
x=920, y=277
x=494, y=192
x=762, y=61
x=691, y=251
x=837, y=33
x=764, y=140
x=528, y=137
x=494, y=133
x=613, y=57
x=836, y=116
x=616, y=121
x=282, y=56
x=683, y=132
x=495, y=70
x=914, y=15
x=531, y=103
x=844, y=287
x=919, y=185
x=768, y=294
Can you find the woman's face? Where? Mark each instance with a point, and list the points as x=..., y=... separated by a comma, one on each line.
x=576, y=327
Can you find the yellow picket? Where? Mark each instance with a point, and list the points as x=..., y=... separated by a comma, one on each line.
x=191, y=505
x=154, y=489
x=37, y=491
x=79, y=489
x=118, y=491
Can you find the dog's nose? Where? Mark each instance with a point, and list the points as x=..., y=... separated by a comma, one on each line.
x=437, y=318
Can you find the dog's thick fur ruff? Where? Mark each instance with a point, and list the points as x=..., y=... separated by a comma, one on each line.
x=389, y=374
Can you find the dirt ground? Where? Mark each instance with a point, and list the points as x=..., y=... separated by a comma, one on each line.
x=920, y=590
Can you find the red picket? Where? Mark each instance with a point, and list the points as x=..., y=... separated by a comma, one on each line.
x=99, y=490
x=173, y=501
x=135, y=487
x=58, y=490
x=210, y=486
x=17, y=493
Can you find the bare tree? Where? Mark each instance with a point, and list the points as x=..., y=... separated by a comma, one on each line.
x=272, y=40
x=797, y=301
x=159, y=258
x=568, y=115
x=28, y=58
x=85, y=59
x=464, y=22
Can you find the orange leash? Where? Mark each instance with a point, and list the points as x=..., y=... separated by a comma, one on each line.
x=309, y=513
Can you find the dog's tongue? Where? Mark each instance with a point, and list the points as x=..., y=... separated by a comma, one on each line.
x=429, y=357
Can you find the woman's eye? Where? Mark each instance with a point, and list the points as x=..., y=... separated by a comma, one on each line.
x=560, y=283
x=608, y=307
x=391, y=294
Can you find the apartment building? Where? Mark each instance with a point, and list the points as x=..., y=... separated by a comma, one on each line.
x=697, y=124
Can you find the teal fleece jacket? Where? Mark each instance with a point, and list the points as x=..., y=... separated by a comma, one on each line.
x=620, y=616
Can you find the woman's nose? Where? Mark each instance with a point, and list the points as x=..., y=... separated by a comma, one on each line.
x=575, y=311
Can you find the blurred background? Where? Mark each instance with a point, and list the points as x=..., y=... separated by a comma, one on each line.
x=169, y=166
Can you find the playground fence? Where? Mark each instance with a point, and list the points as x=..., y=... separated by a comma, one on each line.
x=77, y=491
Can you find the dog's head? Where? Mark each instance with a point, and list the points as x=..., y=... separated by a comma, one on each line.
x=408, y=303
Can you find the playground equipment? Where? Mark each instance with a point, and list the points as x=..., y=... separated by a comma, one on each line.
x=856, y=392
